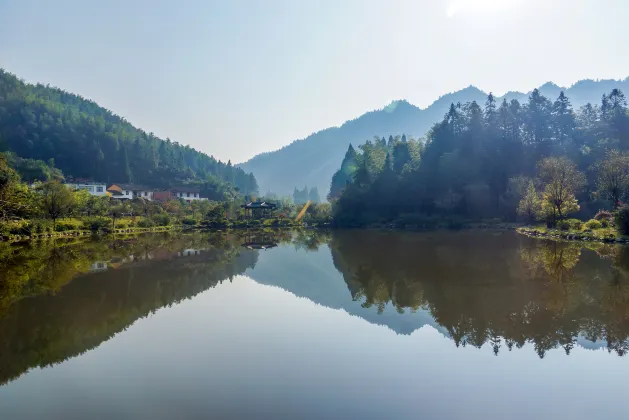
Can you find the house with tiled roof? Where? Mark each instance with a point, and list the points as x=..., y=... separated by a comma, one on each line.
x=131, y=191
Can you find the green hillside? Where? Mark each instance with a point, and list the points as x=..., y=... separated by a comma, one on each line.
x=88, y=141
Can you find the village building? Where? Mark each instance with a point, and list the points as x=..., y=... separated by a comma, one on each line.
x=188, y=194
x=130, y=191
x=98, y=189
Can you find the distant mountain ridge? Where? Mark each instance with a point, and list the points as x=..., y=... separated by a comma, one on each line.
x=312, y=161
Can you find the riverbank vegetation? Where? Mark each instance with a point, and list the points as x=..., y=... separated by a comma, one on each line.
x=510, y=162
x=52, y=209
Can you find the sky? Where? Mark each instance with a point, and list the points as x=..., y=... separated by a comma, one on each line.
x=235, y=78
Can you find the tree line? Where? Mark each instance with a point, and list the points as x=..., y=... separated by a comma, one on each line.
x=305, y=195
x=480, y=162
x=47, y=124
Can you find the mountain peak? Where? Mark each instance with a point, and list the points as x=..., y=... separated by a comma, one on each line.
x=550, y=85
x=314, y=160
x=397, y=104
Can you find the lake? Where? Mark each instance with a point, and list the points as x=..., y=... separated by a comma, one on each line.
x=310, y=325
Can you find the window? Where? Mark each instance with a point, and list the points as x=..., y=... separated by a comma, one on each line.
x=145, y=194
x=99, y=189
x=126, y=193
x=196, y=195
x=188, y=194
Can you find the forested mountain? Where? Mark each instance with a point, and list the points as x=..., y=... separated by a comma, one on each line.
x=539, y=159
x=313, y=160
x=86, y=140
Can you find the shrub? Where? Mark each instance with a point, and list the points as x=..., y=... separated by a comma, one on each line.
x=563, y=225
x=145, y=223
x=604, y=215
x=593, y=224
x=68, y=224
x=96, y=223
x=162, y=219
x=621, y=218
x=605, y=223
x=15, y=227
x=189, y=221
x=123, y=223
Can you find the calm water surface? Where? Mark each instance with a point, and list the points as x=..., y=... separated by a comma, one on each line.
x=348, y=325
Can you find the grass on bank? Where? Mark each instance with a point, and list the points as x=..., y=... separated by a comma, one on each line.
x=596, y=230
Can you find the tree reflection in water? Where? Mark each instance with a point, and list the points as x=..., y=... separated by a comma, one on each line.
x=501, y=289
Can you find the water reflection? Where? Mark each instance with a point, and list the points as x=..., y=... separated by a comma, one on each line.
x=59, y=299
x=501, y=289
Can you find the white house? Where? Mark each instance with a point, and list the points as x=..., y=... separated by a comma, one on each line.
x=187, y=193
x=98, y=189
x=130, y=191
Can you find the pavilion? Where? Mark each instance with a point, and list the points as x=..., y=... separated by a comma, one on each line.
x=259, y=209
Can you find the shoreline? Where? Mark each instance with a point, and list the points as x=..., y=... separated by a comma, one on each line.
x=571, y=236
x=12, y=239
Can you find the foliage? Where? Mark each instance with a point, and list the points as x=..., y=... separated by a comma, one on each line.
x=96, y=223
x=117, y=210
x=161, y=219
x=477, y=163
x=593, y=224
x=604, y=215
x=531, y=205
x=621, y=217
x=562, y=181
x=68, y=224
x=146, y=223
x=55, y=200
x=44, y=124
x=15, y=198
x=612, y=176
x=31, y=170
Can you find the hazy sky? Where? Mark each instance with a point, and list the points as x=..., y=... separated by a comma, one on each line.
x=237, y=77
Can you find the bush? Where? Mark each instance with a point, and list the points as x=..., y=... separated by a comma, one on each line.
x=621, y=218
x=189, y=221
x=123, y=223
x=162, y=219
x=96, y=223
x=68, y=224
x=145, y=223
x=563, y=225
x=605, y=223
x=40, y=226
x=604, y=215
x=15, y=227
x=593, y=224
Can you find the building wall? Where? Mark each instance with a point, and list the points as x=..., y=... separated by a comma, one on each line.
x=192, y=197
x=96, y=189
x=130, y=195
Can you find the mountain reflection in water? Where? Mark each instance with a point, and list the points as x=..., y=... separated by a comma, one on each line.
x=60, y=299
